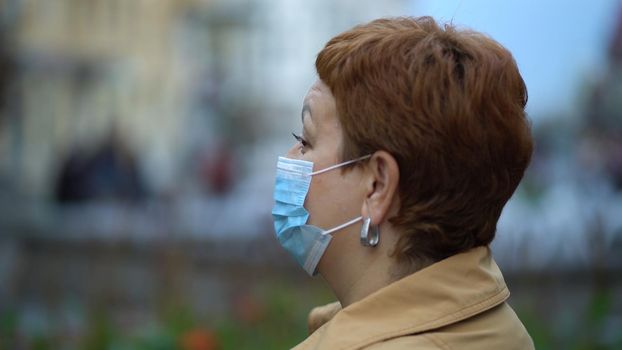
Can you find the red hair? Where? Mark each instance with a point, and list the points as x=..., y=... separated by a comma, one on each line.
x=448, y=105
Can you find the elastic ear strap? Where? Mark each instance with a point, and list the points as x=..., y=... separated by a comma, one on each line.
x=353, y=221
x=339, y=165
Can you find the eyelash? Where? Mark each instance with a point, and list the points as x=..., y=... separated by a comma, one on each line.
x=302, y=141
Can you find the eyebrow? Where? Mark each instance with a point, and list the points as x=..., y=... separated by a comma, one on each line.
x=305, y=108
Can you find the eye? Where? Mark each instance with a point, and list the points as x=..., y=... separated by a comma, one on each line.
x=301, y=140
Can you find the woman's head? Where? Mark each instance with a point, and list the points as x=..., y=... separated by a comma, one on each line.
x=448, y=106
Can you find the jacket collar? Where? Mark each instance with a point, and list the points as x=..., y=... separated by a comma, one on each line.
x=446, y=292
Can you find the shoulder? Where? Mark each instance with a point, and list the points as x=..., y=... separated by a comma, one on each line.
x=498, y=328
x=322, y=314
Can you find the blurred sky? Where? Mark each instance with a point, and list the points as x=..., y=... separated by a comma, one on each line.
x=558, y=44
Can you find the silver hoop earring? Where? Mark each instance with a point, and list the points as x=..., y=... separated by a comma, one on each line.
x=369, y=235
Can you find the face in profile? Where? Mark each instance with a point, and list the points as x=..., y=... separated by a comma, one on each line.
x=335, y=196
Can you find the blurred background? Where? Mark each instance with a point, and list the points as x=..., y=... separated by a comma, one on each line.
x=138, y=142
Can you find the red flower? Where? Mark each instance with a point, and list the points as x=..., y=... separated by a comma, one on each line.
x=198, y=339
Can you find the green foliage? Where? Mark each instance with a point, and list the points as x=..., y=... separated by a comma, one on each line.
x=577, y=330
x=8, y=326
x=273, y=316
x=100, y=333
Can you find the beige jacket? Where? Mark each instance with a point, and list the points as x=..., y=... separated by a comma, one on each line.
x=457, y=303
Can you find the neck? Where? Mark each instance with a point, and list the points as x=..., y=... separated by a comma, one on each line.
x=364, y=272
x=349, y=291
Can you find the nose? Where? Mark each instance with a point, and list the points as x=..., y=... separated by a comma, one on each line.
x=291, y=153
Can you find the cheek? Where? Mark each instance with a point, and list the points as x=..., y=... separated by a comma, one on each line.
x=330, y=202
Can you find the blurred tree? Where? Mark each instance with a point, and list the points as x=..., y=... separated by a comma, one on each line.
x=603, y=122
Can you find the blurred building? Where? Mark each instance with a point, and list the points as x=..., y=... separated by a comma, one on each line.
x=200, y=93
x=174, y=76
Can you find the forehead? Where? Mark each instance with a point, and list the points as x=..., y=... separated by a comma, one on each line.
x=321, y=104
x=318, y=90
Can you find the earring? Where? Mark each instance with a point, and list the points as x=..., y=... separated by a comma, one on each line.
x=369, y=235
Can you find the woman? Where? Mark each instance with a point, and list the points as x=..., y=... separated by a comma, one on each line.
x=414, y=137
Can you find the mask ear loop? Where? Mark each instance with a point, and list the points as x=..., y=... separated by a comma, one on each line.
x=335, y=229
x=339, y=165
x=369, y=235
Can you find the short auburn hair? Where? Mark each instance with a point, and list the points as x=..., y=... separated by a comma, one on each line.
x=449, y=106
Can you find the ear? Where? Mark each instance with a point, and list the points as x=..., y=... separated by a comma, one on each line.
x=382, y=181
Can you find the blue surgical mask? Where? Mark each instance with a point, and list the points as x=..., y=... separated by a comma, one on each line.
x=306, y=243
